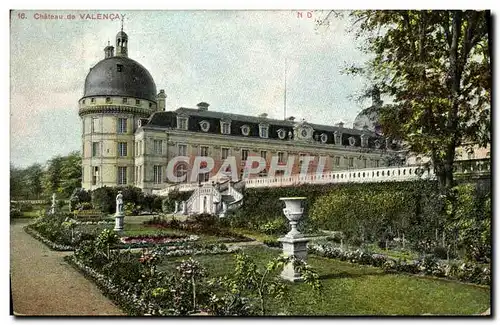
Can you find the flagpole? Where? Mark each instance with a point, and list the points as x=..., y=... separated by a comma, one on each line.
x=284, y=95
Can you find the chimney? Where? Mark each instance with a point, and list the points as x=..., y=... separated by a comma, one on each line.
x=340, y=124
x=203, y=106
x=263, y=115
x=160, y=99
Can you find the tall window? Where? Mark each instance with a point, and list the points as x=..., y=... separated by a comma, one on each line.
x=301, y=159
x=182, y=150
x=337, y=161
x=157, y=177
x=122, y=149
x=95, y=149
x=95, y=124
x=351, y=162
x=364, y=162
x=204, y=151
x=225, y=153
x=281, y=157
x=122, y=175
x=122, y=125
x=226, y=128
x=95, y=175
x=203, y=177
x=244, y=154
x=136, y=174
x=182, y=123
x=376, y=163
x=157, y=147
x=264, y=131
x=263, y=154
x=137, y=102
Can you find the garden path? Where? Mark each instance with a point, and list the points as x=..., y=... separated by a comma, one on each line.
x=43, y=284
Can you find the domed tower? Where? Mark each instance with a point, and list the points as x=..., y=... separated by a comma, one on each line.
x=118, y=92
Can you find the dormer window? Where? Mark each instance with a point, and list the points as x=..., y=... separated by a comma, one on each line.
x=264, y=131
x=364, y=140
x=119, y=67
x=377, y=144
x=281, y=134
x=182, y=123
x=83, y=102
x=204, y=126
x=137, y=102
x=124, y=100
x=352, y=141
x=150, y=105
x=245, y=130
x=338, y=137
x=323, y=138
x=108, y=100
x=225, y=127
x=92, y=100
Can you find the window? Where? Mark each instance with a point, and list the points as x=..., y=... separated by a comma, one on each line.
x=124, y=100
x=351, y=162
x=324, y=138
x=225, y=153
x=226, y=128
x=122, y=175
x=281, y=134
x=137, y=102
x=122, y=125
x=364, y=162
x=180, y=170
x=83, y=174
x=337, y=161
x=182, y=123
x=263, y=154
x=157, y=174
x=108, y=100
x=376, y=162
x=95, y=149
x=281, y=157
x=244, y=154
x=157, y=147
x=203, y=177
x=95, y=175
x=263, y=129
x=119, y=67
x=150, y=105
x=204, y=151
x=245, y=130
x=182, y=150
x=95, y=124
x=205, y=126
x=92, y=100
x=301, y=157
x=83, y=101
x=122, y=149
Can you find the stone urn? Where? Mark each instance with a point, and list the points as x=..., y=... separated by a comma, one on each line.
x=293, y=212
x=293, y=242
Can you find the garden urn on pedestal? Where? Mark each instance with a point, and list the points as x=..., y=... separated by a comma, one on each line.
x=294, y=242
x=119, y=212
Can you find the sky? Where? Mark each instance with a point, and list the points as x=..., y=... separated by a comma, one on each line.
x=234, y=60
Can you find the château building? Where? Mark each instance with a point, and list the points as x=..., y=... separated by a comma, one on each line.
x=128, y=137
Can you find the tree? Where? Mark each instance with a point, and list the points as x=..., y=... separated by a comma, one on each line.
x=71, y=173
x=32, y=180
x=51, y=180
x=16, y=185
x=435, y=66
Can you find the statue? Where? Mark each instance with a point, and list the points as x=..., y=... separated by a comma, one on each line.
x=53, y=207
x=119, y=203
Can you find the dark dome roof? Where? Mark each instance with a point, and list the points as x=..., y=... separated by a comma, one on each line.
x=133, y=80
x=122, y=34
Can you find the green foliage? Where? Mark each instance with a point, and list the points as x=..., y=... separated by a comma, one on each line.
x=470, y=222
x=168, y=203
x=104, y=199
x=435, y=66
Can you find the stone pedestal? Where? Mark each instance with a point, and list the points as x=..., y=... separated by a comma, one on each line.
x=298, y=248
x=119, y=221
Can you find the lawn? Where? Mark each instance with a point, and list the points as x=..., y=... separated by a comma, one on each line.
x=350, y=289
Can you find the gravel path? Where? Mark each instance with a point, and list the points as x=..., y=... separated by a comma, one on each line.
x=43, y=284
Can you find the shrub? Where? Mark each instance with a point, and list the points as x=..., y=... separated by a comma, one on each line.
x=104, y=199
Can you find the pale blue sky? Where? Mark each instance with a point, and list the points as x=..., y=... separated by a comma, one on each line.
x=233, y=60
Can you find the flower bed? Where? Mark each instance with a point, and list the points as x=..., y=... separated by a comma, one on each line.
x=46, y=241
x=428, y=266
x=208, y=249
x=158, y=239
x=101, y=222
